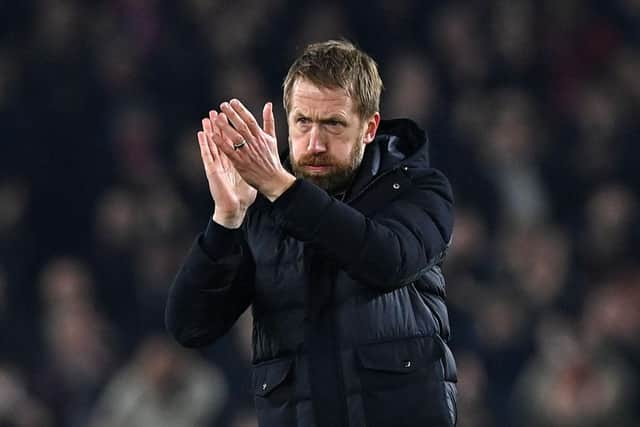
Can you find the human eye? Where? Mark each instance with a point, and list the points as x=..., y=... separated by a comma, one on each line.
x=334, y=123
x=303, y=120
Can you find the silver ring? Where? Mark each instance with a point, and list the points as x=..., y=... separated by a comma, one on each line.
x=240, y=145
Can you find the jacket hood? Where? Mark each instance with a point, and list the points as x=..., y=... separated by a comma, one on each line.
x=397, y=141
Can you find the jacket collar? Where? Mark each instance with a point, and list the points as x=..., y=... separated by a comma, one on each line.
x=398, y=142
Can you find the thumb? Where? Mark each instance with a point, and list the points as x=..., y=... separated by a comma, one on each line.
x=268, y=120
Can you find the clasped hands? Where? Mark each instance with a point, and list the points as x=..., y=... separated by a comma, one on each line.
x=240, y=158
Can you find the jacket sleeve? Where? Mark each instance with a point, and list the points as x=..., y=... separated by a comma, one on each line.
x=385, y=251
x=212, y=288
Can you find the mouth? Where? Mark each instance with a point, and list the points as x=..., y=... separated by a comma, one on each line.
x=317, y=168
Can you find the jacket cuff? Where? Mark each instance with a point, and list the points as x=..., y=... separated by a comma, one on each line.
x=300, y=209
x=218, y=241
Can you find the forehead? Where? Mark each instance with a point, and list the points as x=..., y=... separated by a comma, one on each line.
x=310, y=99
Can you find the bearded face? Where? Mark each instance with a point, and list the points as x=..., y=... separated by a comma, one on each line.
x=326, y=171
x=327, y=136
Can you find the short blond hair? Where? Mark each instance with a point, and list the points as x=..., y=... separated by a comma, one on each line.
x=338, y=64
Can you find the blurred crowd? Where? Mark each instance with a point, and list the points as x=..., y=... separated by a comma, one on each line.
x=529, y=107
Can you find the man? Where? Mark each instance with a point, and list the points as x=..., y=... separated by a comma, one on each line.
x=338, y=253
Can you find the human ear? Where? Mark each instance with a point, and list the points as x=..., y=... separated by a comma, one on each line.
x=371, y=127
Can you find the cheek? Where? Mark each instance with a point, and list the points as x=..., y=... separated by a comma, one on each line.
x=341, y=152
x=344, y=150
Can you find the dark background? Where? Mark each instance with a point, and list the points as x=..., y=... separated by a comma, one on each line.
x=532, y=111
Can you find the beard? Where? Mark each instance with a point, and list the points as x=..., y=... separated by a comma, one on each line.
x=339, y=174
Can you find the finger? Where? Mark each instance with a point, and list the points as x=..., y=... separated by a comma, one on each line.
x=238, y=123
x=206, y=125
x=217, y=183
x=227, y=136
x=222, y=164
x=246, y=116
x=213, y=114
x=216, y=138
x=213, y=146
x=213, y=149
x=207, y=122
x=238, y=113
x=205, y=154
x=268, y=120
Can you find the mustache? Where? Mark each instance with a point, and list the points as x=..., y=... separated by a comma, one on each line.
x=316, y=160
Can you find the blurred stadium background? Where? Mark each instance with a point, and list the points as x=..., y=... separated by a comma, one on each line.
x=530, y=109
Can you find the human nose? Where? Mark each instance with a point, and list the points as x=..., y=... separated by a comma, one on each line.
x=316, y=142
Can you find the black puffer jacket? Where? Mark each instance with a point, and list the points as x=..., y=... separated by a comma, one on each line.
x=347, y=296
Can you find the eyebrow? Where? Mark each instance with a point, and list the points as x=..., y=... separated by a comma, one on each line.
x=331, y=118
x=338, y=119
